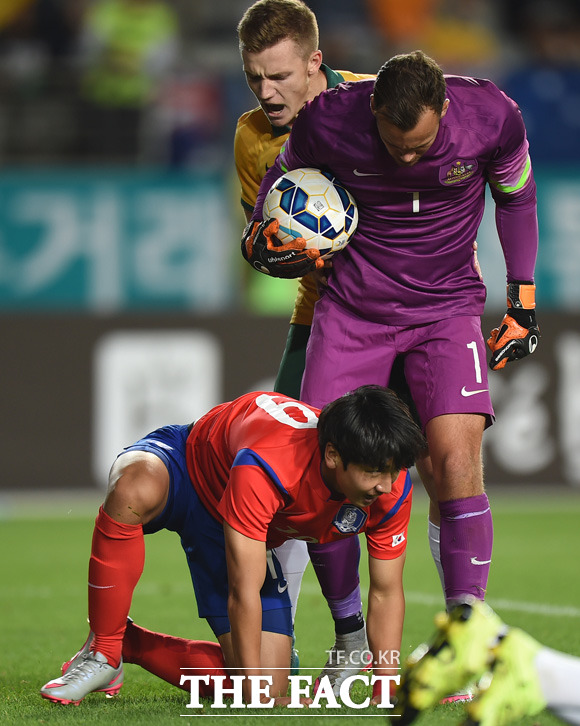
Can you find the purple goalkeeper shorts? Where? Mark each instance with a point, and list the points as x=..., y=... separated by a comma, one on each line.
x=445, y=363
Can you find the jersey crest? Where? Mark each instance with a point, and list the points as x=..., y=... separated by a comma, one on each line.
x=349, y=519
x=459, y=171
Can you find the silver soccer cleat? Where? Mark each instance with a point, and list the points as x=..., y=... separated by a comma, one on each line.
x=86, y=647
x=91, y=672
x=77, y=657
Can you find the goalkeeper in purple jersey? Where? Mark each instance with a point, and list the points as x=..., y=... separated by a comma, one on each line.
x=416, y=149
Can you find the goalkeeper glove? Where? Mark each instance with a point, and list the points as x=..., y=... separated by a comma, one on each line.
x=518, y=333
x=264, y=251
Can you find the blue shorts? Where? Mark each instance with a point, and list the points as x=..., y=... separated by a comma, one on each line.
x=202, y=539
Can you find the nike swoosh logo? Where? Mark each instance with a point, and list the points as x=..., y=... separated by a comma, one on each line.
x=356, y=172
x=475, y=561
x=466, y=393
x=101, y=587
x=282, y=588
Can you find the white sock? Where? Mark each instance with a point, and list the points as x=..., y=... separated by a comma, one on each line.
x=434, y=545
x=293, y=557
x=559, y=676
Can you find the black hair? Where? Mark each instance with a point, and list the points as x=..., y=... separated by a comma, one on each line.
x=370, y=426
x=406, y=86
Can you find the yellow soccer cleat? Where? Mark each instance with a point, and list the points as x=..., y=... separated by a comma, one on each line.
x=457, y=655
x=511, y=690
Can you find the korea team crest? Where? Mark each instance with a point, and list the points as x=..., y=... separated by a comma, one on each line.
x=349, y=519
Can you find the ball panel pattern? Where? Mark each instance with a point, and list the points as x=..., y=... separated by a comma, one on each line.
x=314, y=205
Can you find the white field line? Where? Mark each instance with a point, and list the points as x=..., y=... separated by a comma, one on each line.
x=501, y=605
x=145, y=589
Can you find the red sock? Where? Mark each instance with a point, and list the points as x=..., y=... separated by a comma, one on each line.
x=166, y=656
x=116, y=564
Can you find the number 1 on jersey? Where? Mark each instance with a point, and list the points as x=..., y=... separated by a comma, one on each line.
x=476, y=363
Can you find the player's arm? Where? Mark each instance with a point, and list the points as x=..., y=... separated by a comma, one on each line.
x=385, y=615
x=513, y=188
x=246, y=563
x=247, y=163
x=518, y=334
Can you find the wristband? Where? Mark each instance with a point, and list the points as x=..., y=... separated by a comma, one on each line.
x=521, y=295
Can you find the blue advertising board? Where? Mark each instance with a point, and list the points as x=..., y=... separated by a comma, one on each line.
x=120, y=241
x=109, y=241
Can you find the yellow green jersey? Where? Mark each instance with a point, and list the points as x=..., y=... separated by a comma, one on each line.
x=256, y=145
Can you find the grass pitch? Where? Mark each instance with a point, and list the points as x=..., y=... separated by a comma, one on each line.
x=45, y=546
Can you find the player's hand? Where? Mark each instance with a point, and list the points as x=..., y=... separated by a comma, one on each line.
x=264, y=251
x=320, y=276
x=476, y=262
x=518, y=334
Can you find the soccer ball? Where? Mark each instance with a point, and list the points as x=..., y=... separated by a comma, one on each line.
x=312, y=204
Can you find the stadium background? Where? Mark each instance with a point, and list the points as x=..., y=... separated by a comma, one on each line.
x=124, y=302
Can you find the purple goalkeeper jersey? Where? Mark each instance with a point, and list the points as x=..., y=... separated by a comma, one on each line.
x=411, y=259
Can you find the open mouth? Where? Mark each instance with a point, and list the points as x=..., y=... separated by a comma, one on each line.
x=273, y=109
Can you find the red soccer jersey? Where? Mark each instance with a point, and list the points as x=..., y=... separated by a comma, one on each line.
x=255, y=463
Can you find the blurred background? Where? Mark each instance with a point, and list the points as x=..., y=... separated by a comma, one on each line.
x=124, y=301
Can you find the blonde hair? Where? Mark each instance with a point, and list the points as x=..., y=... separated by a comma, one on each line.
x=268, y=22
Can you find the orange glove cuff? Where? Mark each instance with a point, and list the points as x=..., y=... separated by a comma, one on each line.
x=521, y=296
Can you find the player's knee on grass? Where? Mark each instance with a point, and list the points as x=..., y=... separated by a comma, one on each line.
x=138, y=488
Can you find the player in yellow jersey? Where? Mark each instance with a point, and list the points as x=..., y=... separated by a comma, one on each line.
x=283, y=67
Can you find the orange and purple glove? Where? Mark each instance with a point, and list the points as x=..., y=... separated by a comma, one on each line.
x=264, y=251
x=518, y=333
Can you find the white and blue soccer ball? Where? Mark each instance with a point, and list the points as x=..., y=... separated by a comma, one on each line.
x=312, y=204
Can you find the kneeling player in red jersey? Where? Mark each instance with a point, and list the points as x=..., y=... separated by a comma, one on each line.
x=249, y=475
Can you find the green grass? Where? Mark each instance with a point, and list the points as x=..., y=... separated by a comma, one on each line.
x=45, y=546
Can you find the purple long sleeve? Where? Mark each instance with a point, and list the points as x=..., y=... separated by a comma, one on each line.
x=411, y=258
